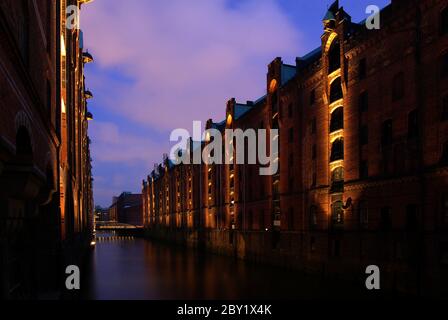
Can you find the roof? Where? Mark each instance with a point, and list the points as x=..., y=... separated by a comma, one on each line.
x=309, y=58
x=241, y=110
x=288, y=72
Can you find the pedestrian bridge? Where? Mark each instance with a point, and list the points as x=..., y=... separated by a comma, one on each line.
x=121, y=228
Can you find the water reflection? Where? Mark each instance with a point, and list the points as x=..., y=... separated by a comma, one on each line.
x=128, y=268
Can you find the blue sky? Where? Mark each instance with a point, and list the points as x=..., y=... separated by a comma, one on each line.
x=159, y=65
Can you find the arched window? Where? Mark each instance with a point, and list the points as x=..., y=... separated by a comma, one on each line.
x=334, y=56
x=336, y=90
x=337, y=120
x=24, y=148
x=337, y=150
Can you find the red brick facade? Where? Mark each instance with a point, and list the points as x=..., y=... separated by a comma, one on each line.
x=363, y=159
x=45, y=173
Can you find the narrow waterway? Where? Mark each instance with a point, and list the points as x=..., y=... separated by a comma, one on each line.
x=135, y=268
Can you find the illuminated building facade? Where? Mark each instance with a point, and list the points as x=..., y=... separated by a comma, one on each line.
x=363, y=159
x=46, y=204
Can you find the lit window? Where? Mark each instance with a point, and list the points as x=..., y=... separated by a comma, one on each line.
x=337, y=120
x=337, y=150
x=336, y=90
x=334, y=56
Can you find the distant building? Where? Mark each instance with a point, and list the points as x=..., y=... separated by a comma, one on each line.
x=127, y=208
x=102, y=214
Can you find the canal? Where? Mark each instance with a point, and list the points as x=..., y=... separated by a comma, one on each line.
x=138, y=269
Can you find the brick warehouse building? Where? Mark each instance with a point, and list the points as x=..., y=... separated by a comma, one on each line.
x=363, y=159
x=45, y=172
x=127, y=209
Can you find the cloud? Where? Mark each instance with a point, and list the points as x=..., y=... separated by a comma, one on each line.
x=186, y=58
x=159, y=65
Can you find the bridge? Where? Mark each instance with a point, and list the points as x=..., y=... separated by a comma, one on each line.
x=119, y=228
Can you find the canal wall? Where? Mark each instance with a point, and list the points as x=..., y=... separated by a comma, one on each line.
x=286, y=250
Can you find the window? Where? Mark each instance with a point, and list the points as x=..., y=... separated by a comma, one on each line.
x=444, y=22
x=444, y=65
x=398, y=86
x=23, y=29
x=274, y=101
x=262, y=225
x=313, y=97
x=334, y=56
x=362, y=71
x=444, y=159
x=48, y=25
x=312, y=244
x=363, y=214
x=337, y=180
x=386, y=222
x=291, y=135
x=337, y=174
x=291, y=219
x=313, y=217
x=290, y=111
x=337, y=213
x=445, y=209
x=363, y=169
x=314, y=152
x=49, y=96
x=363, y=102
x=314, y=179
x=413, y=125
x=313, y=126
x=337, y=120
x=363, y=135
x=337, y=150
x=291, y=160
x=336, y=90
x=291, y=184
x=445, y=108
x=411, y=217
x=386, y=133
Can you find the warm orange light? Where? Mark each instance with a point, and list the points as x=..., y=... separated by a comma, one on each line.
x=229, y=120
x=273, y=86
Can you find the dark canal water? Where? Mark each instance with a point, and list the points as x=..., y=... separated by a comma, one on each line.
x=139, y=269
